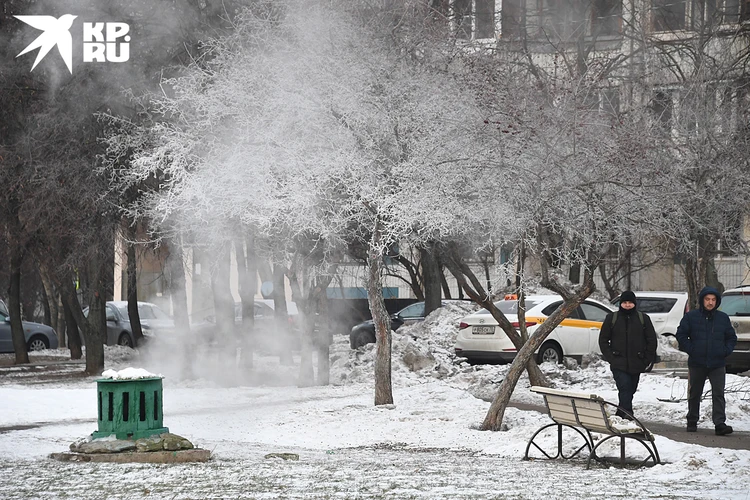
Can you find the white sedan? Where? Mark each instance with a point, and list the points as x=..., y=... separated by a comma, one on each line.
x=481, y=340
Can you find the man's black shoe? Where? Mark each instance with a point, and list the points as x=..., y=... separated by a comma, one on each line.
x=723, y=430
x=694, y=428
x=622, y=414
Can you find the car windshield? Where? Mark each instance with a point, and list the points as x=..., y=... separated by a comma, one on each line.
x=511, y=306
x=736, y=304
x=145, y=311
x=3, y=309
x=412, y=311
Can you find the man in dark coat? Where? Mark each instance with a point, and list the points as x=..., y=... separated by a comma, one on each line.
x=628, y=342
x=706, y=334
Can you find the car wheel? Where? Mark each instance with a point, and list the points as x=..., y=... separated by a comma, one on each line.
x=37, y=343
x=550, y=351
x=360, y=338
x=125, y=340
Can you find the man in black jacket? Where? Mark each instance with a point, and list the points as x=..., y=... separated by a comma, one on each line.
x=628, y=342
x=706, y=334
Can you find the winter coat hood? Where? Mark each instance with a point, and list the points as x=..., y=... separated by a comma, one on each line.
x=709, y=290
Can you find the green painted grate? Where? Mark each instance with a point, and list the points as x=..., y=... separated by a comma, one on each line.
x=129, y=409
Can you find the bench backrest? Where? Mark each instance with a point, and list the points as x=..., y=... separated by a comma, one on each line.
x=577, y=409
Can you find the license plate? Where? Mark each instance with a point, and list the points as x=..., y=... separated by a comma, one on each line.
x=483, y=330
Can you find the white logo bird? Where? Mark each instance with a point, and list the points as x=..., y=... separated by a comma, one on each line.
x=56, y=32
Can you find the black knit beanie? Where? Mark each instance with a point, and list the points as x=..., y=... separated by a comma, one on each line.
x=627, y=296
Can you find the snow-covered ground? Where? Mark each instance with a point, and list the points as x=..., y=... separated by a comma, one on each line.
x=426, y=445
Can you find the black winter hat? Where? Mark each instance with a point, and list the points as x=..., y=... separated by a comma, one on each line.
x=627, y=296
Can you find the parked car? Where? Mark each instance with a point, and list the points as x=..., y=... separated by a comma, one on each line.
x=37, y=335
x=736, y=303
x=154, y=321
x=665, y=309
x=481, y=340
x=364, y=333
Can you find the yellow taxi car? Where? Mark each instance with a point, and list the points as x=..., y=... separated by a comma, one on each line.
x=481, y=340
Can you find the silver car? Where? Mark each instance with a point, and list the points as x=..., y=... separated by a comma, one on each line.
x=736, y=303
x=38, y=336
x=119, y=329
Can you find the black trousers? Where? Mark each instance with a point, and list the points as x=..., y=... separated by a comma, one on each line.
x=627, y=384
x=697, y=376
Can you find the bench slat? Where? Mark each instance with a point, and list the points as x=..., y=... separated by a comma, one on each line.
x=558, y=392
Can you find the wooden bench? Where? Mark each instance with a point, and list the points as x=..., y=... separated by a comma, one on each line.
x=589, y=412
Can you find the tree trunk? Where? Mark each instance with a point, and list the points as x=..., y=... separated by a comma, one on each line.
x=691, y=279
x=307, y=330
x=47, y=308
x=95, y=325
x=444, y=284
x=414, y=283
x=430, y=278
x=323, y=340
x=178, y=294
x=476, y=292
x=14, y=306
x=574, y=274
x=611, y=291
x=494, y=418
x=53, y=304
x=247, y=271
x=281, y=315
x=383, y=387
x=712, y=275
x=132, y=272
x=223, y=301
x=71, y=327
x=95, y=334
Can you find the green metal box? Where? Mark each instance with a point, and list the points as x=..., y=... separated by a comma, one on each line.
x=129, y=409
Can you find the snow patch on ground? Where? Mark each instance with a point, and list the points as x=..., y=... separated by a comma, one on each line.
x=426, y=445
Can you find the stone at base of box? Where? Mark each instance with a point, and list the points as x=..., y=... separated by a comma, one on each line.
x=149, y=457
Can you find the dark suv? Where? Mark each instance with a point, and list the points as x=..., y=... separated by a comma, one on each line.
x=736, y=303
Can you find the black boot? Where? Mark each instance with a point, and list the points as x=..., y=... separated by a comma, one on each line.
x=723, y=430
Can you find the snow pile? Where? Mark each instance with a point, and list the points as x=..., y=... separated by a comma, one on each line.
x=420, y=350
x=129, y=374
x=120, y=354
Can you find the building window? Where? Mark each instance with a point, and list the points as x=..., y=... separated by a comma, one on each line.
x=474, y=19
x=661, y=107
x=485, y=21
x=606, y=17
x=462, y=18
x=570, y=19
x=562, y=19
x=512, y=18
x=610, y=101
x=705, y=13
x=668, y=15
